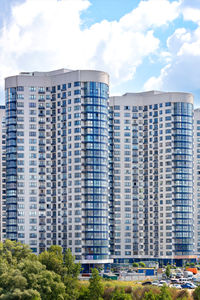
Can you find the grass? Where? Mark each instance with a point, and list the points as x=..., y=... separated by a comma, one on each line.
x=136, y=288
x=114, y=283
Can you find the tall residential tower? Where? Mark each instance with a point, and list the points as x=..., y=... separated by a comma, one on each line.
x=152, y=175
x=2, y=173
x=197, y=178
x=57, y=162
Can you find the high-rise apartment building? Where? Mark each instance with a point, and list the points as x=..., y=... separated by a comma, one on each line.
x=2, y=173
x=109, y=179
x=57, y=161
x=152, y=175
x=197, y=178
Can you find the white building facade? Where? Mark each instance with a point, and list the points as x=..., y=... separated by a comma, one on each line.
x=152, y=175
x=2, y=173
x=197, y=178
x=57, y=162
x=111, y=179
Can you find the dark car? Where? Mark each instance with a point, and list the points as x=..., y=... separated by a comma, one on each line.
x=174, y=281
x=147, y=283
x=179, y=275
x=188, y=286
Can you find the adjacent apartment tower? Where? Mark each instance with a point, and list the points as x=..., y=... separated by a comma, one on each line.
x=197, y=178
x=111, y=179
x=152, y=173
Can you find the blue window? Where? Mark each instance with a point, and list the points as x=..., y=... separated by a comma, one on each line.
x=20, y=88
x=77, y=92
x=64, y=95
x=64, y=87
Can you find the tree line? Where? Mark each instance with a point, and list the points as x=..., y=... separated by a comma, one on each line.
x=53, y=275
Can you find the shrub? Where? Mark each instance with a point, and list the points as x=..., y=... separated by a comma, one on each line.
x=196, y=293
x=119, y=294
x=83, y=293
x=142, y=264
x=96, y=287
x=128, y=289
x=183, y=294
x=135, y=265
x=107, y=293
x=168, y=271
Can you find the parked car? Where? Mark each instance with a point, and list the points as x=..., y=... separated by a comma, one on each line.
x=147, y=283
x=188, y=285
x=177, y=286
x=196, y=279
x=183, y=280
x=188, y=274
x=174, y=281
x=156, y=283
x=179, y=275
x=162, y=282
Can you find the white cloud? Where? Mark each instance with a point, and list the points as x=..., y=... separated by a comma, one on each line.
x=44, y=35
x=153, y=13
x=177, y=39
x=191, y=10
x=182, y=73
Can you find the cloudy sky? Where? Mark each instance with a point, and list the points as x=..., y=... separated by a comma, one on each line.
x=143, y=45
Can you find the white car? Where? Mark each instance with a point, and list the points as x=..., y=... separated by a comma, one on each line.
x=177, y=286
x=162, y=282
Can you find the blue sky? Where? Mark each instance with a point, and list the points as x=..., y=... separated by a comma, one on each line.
x=143, y=45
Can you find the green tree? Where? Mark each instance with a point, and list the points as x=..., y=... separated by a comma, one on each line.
x=22, y=295
x=96, y=287
x=135, y=265
x=53, y=259
x=187, y=264
x=29, y=279
x=119, y=294
x=151, y=296
x=13, y=252
x=9, y=281
x=47, y=283
x=71, y=273
x=50, y=286
x=83, y=293
x=165, y=294
x=196, y=293
x=142, y=264
x=168, y=271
